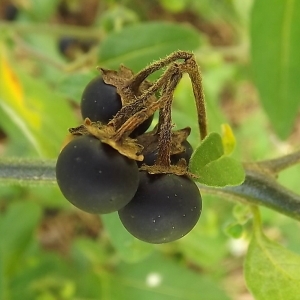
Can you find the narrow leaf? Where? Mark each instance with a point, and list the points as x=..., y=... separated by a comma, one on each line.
x=271, y=271
x=30, y=110
x=20, y=221
x=275, y=48
x=234, y=230
x=222, y=172
x=71, y=86
x=212, y=167
x=138, y=45
x=162, y=279
x=3, y=280
x=210, y=149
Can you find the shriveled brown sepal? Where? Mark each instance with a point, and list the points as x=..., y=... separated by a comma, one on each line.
x=139, y=102
x=127, y=146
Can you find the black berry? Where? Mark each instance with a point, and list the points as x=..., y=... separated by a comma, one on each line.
x=67, y=43
x=95, y=177
x=10, y=12
x=101, y=102
x=150, y=157
x=186, y=154
x=165, y=208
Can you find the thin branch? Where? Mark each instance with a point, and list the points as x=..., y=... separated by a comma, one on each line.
x=261, y=189
x=58, y=30
x=165, y=122
x=276, y=165
x=27, y=171
x=158, y=65
x=82, y=61
x=196, y=79
x=257, y=222
x=257, y=189
x=139, y=103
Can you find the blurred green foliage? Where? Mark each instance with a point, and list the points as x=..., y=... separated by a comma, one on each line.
x=49, y=250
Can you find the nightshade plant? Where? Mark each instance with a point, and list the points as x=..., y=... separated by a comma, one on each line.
x=210, y=166
x=160, y=203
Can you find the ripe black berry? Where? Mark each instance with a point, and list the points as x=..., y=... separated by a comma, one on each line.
x=150, y=157
x=100, y=102
x=95, y=177
x=10, y=12
x=66, y=43
x=72, y=47
x=165, y=208
x=186, y=154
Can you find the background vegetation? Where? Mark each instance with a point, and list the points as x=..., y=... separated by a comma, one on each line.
x=248, y=52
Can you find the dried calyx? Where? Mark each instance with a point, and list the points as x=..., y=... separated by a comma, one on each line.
x=139, y=102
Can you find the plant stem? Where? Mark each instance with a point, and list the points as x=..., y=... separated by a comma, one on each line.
x=165, y=122
x=193, y=70
x=81, y=61
x=258, y=189
x=141, y=101
x=27, y=171
x=257, y=223
x=136, y=120
x=143, y=74
x=274, y=166
x=261, y=189
x=53, y=29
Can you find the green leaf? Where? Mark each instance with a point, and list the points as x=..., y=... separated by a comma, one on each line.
x=210, y=149
x=222, y=172
x=72, y=85
x=160, y=278
x=242, y=213
x=29, y=109
x=41, y=10
x=44, y=276
x=206, y=245
x=88, y=253
x=234, y=230
x=212, y=167
x=129, y=248
x=271, y=271
x=16, y=231
x=3, y=279
x=275, y=47
x=138, y=45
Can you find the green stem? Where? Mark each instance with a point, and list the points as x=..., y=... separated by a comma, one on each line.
x=257, y=223
x=27, y=171
x=53, y=29
x=261, y=189
x=257, y=189
x=274, y=166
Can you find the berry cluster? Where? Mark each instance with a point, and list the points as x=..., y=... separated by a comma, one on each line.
x=141, y=175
